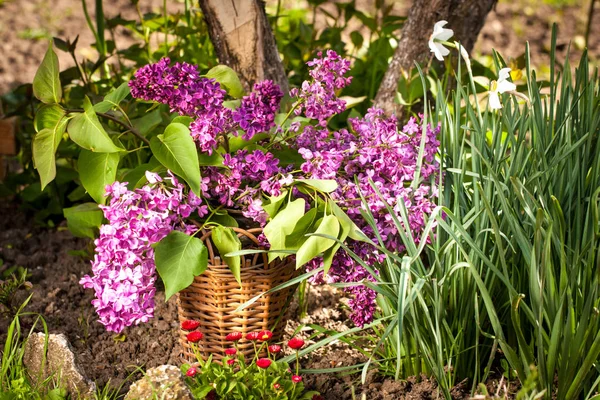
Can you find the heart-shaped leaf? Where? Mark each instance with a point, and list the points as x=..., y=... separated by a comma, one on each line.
x=96, y=170
x=176, y=150
x=179, y=258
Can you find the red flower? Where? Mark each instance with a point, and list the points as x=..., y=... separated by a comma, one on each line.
x=276, y=386
x=263, y=363
x=195, y=336
x=252, y=335
x=189, y=325
x=274, y=348
x=191, y=372
x=296, y=378
x=296, y=343
x=231, y=351
x=231, y=361
x=234, y=336
x=263, y=336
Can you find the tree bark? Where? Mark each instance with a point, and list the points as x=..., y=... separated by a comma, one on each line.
x=244, y=41
x=465, y=17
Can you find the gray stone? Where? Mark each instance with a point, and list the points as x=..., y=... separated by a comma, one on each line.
x=59, y=364
x=164, y=382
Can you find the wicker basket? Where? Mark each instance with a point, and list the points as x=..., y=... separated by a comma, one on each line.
x=214, y=296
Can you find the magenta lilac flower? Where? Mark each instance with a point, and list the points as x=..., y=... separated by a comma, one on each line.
x=123, y=266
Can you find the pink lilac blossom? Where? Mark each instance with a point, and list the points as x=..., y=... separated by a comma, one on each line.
x=317, y=97
x=181, y=87
x=379, y=152
x=123, y=266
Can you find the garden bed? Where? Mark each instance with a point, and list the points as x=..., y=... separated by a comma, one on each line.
x=56, y=261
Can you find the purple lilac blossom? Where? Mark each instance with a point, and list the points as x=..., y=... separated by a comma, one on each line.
x=181, y=87
x=256, y=113
x=123, y=267
x=317, y=99
x=378, y=151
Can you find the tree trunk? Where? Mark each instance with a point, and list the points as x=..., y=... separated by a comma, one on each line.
x=243, y=40
x=465, y=17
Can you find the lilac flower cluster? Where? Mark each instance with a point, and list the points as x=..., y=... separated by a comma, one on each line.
x=181, y=87
x=379, y=152
x=373, y=148
x=317, y=98
x=256, y=112
x=123, y=266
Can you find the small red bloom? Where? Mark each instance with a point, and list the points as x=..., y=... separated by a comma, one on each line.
x=274, y=348
x=252, y=335
x=191, y=372
x=234, y=336
x=276, y=386
x=231, y=351
x=296, y=343
x=263, y=336
x=231, y=361
x=189, y=325
x=263, y=363
x=195, y=336
x=296, y=378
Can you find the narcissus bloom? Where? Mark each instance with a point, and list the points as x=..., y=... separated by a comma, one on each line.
x=189, y=325
x=296, y=343
x=274, y=348
x=234, y=336
x=499, y=87
x=194, y=336
x=252, y=335
x=230, y=351
x=263, y=363
x=440, y=34
x=192, y=372
x=263, y=336
x=296, y=378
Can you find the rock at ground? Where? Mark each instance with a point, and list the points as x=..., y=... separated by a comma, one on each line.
x=59, y=364
x=164, y=382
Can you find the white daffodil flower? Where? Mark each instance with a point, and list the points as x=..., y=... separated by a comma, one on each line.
x=499, y=87
x=440, y=34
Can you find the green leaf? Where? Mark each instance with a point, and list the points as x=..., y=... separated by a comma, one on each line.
x=179, y=258
x=303, y=227
x=316, y=245
x=227, y=78
x=214, y=160
x=176, y=150
x=323, y=185
x=85, y=130
x=148, y=122
x=274, y=203
x=83, y=219
x=347, y=227
x=46, y=83
x=183, y=119
x=51, y=116
x=227, y=242
x=96, y=170
x=113, y=99
x=44, y=148
x=282, y=225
